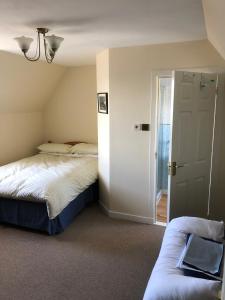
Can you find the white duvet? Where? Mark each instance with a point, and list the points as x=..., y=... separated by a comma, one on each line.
x=54, y=179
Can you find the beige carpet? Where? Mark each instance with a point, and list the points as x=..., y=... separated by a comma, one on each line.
x=95, y=258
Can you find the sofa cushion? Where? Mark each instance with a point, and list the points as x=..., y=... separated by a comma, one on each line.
x=209, y=229
x=167, y=282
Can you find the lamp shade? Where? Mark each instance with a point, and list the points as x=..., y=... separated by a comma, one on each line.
x=53, y=42
x=24, y=43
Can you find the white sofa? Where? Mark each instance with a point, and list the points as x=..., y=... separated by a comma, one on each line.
x=167, y=282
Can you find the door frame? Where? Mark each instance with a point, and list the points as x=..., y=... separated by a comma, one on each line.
x=154, y=106
x=153, y=121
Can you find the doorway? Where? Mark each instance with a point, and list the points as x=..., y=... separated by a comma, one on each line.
x=163, y=145
x=183, y=143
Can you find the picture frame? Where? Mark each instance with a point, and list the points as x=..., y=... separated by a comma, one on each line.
x=102, y=103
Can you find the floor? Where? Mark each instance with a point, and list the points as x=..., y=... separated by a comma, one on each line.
x=162, y=209
x=96, y=258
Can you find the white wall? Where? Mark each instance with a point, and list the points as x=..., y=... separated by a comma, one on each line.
x=102, y=63
x=130, y=102
x=24, y=88
x=71, y=113
x=215, y=23
x=40, y=102
x=20, y=133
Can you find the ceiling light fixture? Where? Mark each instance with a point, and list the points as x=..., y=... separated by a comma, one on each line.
x=51, y=45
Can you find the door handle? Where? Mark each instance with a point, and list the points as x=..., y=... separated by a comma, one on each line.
x=172, y=168
x=179, y=166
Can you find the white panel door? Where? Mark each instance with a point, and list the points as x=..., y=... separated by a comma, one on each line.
x=191, y=143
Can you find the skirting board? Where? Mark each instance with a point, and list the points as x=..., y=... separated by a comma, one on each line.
x=124, y=216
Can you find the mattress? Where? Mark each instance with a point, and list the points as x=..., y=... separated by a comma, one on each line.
x=34, y=215
x=54, y=180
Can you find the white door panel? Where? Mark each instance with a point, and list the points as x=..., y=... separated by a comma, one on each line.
x=191, y=146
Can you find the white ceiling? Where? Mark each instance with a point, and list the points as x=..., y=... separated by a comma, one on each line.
x=89, y=26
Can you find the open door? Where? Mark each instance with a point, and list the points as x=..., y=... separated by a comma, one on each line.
x=191, y=143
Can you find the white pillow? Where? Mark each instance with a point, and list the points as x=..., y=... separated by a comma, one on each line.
x=55, y=148
x=83, y=148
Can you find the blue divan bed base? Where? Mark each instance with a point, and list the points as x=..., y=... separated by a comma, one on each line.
x=34, y=215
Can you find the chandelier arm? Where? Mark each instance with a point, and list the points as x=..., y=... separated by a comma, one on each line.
x=51, y=45
x=48, y=57
x=38, y=51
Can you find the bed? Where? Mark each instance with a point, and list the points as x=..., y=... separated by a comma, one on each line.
x=46, y=191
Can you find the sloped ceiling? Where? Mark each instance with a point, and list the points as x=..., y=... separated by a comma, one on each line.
x=26, y=86
x=215, y=23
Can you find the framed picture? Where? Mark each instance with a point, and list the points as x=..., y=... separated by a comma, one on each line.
x=102, y=103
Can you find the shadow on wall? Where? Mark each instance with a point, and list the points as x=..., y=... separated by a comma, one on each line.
x=71, y=114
